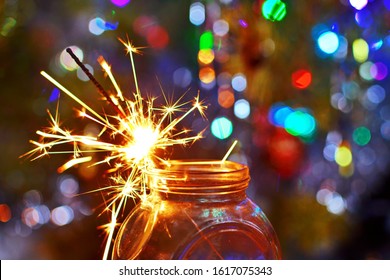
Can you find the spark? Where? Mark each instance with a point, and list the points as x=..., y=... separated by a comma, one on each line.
x=140, y=133
x=229, y=151
x=73, y=162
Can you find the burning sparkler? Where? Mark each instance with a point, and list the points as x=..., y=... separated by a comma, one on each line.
x=141, y=129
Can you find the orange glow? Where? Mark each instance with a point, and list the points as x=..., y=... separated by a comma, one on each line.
x=5, y=213
x=207, y=75
x=225, y=98
x=206, y=56
x=301, y=79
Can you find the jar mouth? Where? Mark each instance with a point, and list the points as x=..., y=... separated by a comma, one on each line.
x=199, y=177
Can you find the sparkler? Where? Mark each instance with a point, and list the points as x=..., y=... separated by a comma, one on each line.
x=141, y=129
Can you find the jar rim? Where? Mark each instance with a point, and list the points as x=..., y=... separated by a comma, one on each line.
x=199, y=177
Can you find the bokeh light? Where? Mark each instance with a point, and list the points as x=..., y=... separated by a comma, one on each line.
x=206, y=40
x=182, y=77
x=365, y=70
x=296, y=122
x=328, y=42
x=342, y=51
x=206, y=56
x=336, y=204
x=376, y=94
x=221, y=27
x=278, y=114
x=268, y=47
x=334, y=137
x=329, y=151
x=376, y=44
x=62, y=215
x=207, y=75
x=157, y=37
x=323, y=196
x=55, y=94
x=361, y=136
x=96, y=26
x=5, y=213
x=343, y=156
x=81, y=75
x=221, y=128
x=239, y=82
x=366, y=157
x=274, y=10
x=197, y=14
x=364, y=18
x=224, y=79
x=360, y=50
x=225, y=97
x=378, y=71
x=120, y=3
x=385, y=130
x=301, y=78
x=243, y=23
x=8, y=24
x=299, y=123
x=358, y=4
x=68, y=186
x=36, y=216
x=67, y=61
x=242, y=109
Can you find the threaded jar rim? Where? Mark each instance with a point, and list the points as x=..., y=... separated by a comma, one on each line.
x=199, y=177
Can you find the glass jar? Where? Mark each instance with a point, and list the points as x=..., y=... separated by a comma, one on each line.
x=197, y=210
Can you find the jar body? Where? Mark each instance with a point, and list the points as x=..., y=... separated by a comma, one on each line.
x=222, y=225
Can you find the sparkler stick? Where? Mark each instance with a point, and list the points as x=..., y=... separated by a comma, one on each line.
x=94, y=81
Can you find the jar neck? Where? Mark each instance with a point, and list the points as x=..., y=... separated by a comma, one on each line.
x=200, y=180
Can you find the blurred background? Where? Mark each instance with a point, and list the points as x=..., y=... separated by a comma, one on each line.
x=302, y=85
